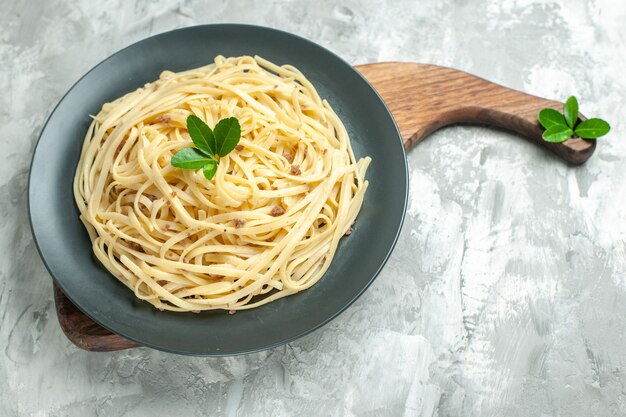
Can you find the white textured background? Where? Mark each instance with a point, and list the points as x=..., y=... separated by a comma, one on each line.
x=506, y=294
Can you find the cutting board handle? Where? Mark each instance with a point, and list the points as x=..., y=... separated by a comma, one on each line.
x=424, y=98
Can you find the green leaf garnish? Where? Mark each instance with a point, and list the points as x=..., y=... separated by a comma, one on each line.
x=227, y=133
x=558, y=133
x=201, y=135
x=210, y=145
x=551, y=117
x=592, y=128
x=210, y=169
x=190, y=158
x=570, y=110
x=561, y=127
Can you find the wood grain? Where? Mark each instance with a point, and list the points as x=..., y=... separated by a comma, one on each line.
x=83, y=331
x=422, y=99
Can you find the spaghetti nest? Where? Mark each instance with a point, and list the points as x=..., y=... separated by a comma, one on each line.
x=266, y=226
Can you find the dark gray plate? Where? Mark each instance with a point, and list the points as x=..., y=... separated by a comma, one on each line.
x=64, y=244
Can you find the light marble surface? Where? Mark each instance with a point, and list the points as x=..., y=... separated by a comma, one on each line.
x=505, y=296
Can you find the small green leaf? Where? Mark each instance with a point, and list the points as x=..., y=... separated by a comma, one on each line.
x=592, y=128
x=570, y=110
x=551, y=117
x=558, y=133
x=227, y=133
x=201, y=135
x=190, y=158
x=209, y=145
x=210, y=169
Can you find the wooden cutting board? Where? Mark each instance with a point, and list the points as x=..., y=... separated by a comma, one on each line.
x=422, y=99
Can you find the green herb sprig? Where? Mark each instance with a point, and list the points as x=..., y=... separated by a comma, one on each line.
x=210, y=145
x=561, y=127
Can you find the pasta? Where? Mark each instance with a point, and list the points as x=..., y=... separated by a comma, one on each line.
x=265, y=227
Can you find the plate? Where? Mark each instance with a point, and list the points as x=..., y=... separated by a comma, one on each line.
x=64, y=244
